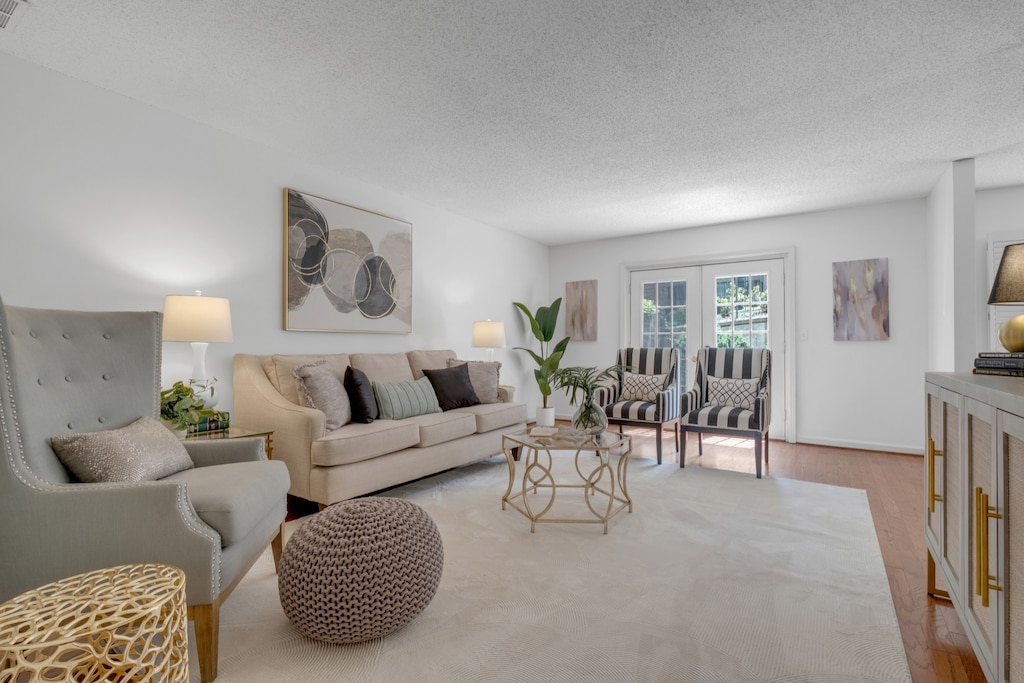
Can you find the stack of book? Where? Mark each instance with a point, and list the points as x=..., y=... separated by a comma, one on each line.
x=1000, y=363
x=219, y=421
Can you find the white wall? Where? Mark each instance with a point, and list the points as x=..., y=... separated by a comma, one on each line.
x=110, y=204
x=857, y=394
x=952, y=299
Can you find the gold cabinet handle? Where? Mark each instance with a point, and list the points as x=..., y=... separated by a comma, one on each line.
x=983, y=512
x=932, y=496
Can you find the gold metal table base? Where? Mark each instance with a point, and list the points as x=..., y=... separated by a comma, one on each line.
x=604, y=486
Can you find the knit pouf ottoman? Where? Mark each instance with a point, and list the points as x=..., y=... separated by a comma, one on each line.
x=360, y=569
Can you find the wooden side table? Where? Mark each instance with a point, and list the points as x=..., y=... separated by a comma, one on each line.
x=126, y=623
x=234, y=432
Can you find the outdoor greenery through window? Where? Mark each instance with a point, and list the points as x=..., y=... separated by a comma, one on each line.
x=664, y=323
x=741, y=315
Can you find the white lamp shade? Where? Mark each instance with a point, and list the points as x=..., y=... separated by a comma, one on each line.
x=196, y=319
x=488, y=334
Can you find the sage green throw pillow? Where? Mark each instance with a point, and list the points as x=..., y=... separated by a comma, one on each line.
x=408, y=398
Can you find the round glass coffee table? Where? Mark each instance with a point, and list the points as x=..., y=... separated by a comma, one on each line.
x=600, y=464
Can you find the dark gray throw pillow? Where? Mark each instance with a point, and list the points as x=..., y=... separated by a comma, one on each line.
x=360, y=396
x=452, y=386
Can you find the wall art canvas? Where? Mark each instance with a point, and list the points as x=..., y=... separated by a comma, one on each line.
x=860, y=295
x=581, y=310
x=346, y=269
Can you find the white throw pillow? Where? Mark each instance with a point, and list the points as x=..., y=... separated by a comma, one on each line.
x=729, y=391
x=642, y=387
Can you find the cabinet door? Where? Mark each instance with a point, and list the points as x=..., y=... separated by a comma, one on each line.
x=983, y=606
x=950, y=473
x=1010, y=541
x=933, y=491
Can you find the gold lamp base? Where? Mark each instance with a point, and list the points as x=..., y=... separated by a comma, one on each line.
x=1011, y=334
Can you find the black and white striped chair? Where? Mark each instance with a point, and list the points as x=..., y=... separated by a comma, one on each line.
x=731, y=395
x=646, y=393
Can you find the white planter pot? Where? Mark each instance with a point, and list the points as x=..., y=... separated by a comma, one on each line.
x=545, y=417
x=180, y=433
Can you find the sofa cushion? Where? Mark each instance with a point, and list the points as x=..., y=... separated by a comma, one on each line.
x=399, y=400
x=144, y=450
x=438, y=428
x=420, y=360
x=280, y=370
x=383, y=367
x=360, y=396
x=320, y=388
x=452, y=386
x=234, y=498
x=364, y=441
x=484, y=376
x=491, y=416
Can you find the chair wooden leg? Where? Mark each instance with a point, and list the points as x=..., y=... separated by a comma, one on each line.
x=757, y=455
x=682, y=445
x=766, y=452
x=206, y=621
x=277, y=547
x=700, y=444
x=657, y=428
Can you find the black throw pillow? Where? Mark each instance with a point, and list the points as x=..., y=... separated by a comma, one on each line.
x=452, y=386
x=360, y=395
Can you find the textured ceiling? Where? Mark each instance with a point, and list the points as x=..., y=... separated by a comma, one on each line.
x=569, y=120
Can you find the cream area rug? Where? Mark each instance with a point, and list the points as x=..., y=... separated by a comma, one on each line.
x=715, y=576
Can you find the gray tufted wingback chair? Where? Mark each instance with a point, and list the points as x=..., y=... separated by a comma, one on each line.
x=70, y=371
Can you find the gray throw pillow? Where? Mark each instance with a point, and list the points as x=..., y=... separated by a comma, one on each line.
x=145, y=450
x=484, y=376
x=408, y=398
x=320, y=388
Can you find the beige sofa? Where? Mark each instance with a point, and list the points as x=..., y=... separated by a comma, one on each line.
x=355, y=459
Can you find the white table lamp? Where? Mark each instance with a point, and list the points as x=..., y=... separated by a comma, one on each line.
x=489, y=335
x=199, y=320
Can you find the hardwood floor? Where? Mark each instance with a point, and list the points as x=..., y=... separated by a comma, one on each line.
x=936, y=645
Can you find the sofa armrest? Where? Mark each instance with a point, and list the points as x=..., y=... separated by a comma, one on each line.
x=258, y=405
x=506, y=393
x=221, y=452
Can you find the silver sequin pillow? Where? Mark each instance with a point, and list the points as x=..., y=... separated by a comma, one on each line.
x=145, y=450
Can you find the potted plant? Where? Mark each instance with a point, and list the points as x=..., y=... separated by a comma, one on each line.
x=543, y=325
x=589, y=417
x=180, y=407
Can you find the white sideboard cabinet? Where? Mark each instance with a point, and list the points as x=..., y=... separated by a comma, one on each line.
x=974, y=490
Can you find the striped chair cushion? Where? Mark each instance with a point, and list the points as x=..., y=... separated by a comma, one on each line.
x=723, y=417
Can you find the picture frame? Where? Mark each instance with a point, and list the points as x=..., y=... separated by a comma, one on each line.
x=346, y=269
x=860, y=300
x=581, y=310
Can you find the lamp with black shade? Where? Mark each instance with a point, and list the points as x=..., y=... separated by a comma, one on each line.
x=1008, y=289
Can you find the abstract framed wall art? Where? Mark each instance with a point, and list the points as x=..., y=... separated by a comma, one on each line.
x=581, y=310
x=346, y=269
x=860, y=296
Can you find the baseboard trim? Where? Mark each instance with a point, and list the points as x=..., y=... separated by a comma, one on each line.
x=860, y=445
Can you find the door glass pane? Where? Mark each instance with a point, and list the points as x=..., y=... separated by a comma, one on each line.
x=664, y=318
x=742, y=303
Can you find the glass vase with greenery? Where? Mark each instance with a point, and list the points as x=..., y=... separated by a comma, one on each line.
x=581, y=384
x=181, y=407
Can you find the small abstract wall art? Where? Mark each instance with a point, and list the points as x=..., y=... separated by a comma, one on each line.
x=860, y=300
x=581, y=310
x=346, y=269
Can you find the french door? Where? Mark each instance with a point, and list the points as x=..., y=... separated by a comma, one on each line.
x=735, y=304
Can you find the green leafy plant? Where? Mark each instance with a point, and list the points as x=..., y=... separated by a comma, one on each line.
x=180, y=406
x=580, y=380
x=543, y=325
